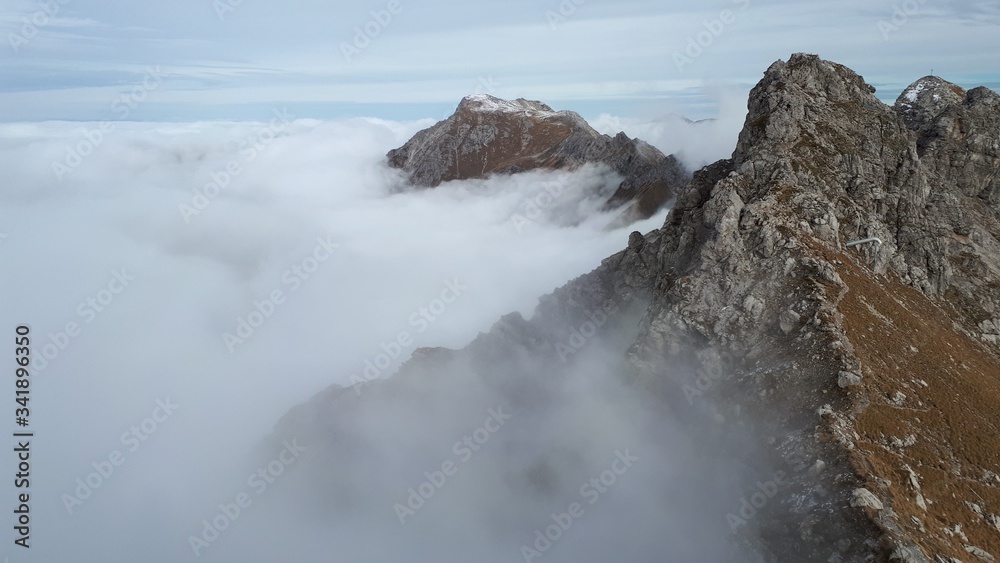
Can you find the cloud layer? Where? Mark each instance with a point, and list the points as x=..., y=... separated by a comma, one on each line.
x=290, y=237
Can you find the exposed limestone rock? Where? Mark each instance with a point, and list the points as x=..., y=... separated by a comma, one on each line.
x=864, y=498
x=848, y=379
x=915, y=484
x=907, y=555
x=788, y=320
x=980, y=553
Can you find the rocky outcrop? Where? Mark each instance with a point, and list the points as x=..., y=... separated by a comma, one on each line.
x=959, y=154
x=856, y=388
x=954, y=137
x=488, y=135
x=837, y=348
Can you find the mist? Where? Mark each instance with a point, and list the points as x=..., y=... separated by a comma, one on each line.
x=694, y=143
x=186, y=285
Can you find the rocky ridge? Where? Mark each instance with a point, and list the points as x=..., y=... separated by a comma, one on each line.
x=868, y=376
x=487, y=135
x=857, y=354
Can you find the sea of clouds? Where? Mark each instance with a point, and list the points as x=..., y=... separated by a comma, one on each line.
x=187, y=284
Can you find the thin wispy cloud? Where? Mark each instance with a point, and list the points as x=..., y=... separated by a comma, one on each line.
x=344, y=59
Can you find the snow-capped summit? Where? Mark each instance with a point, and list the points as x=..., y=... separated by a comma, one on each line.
x=488, y=103
x=926, y=98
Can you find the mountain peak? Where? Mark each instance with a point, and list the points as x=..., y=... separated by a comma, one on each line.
x=489, y=135
x=802, y=113
x=488, y=103
x=926, y=98
x=932, y=87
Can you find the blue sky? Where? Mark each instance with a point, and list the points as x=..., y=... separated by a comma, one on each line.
x=240, y=59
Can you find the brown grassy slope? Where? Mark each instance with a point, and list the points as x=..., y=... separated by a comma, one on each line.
x=525, y=145
x=908, y=344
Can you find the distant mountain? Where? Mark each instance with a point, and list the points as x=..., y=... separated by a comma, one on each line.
x=821, y=311
x=488, y=135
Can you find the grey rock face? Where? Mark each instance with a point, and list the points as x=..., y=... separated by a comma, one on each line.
x=751, y=322
x=487, y=135
x=821, y=161
x=959, y=154
x=865, y=499
x=953, y=134
x=924, y=100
